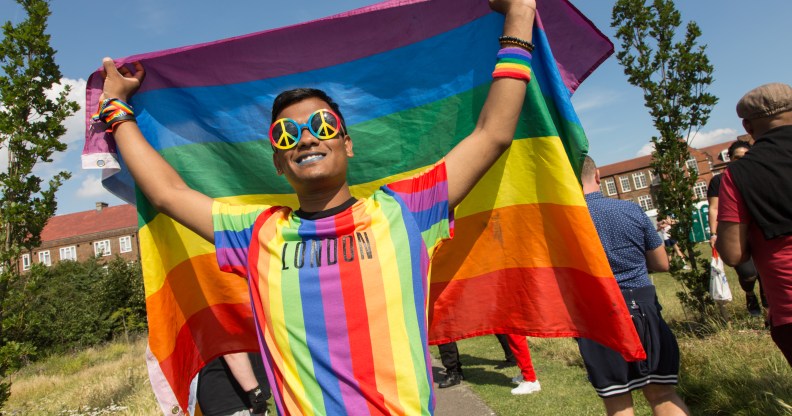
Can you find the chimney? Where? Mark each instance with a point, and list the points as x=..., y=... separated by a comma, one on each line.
x=100, y=206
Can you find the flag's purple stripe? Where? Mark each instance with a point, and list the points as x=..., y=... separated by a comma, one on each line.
x=578, y=46
x=233, y=257
x=304, y=47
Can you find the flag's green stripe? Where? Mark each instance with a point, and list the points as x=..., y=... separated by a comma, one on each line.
x=383, y=147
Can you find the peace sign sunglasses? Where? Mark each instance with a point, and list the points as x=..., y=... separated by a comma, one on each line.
x=284, y=133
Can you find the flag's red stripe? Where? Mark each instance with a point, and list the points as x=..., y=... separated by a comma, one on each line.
x=409, y=185
x=219, y=329
x=541, y=302
x=500, y=239
x=189, y=288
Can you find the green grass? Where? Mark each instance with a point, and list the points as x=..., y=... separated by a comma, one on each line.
x=731, y=368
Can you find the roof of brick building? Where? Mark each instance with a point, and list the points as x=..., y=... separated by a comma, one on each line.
x=89, y=222
x=643, y=162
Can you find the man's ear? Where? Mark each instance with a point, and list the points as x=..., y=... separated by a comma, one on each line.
x=748, y=126
x=348, y=146
x=597, y=177
x=276, y=162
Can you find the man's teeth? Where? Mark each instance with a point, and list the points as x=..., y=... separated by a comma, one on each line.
x=310, y=158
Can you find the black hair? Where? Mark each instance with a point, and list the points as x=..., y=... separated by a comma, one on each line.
x=737, y=145
x=289, y=97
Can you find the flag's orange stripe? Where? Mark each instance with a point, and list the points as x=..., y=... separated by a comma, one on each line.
x=190, y=287
x=542, y=302
x=235, y=334
x=570, y=240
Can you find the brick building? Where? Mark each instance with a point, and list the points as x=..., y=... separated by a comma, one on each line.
x=635, y=180
x=104, y=231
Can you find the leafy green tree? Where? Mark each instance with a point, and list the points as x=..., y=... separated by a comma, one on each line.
x=674, y=76
x=73, y=305
x=31, y=125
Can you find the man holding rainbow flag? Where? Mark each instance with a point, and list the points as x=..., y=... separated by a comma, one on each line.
x=339, y=286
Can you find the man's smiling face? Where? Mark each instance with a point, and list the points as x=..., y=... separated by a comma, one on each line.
x=313, y=164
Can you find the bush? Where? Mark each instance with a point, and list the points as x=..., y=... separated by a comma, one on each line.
x=73, y=305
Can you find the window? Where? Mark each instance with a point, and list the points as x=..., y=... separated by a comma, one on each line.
x=692, y=165
x=610, y=186
x=68, y=253
x=125, y=243
x=102, y=248
x=645, y=201
x=700, y=190
x=26, y=262
x=625, y=183
x=640, y=180
x=653, y=178
x=44, y=258
x=725, y=155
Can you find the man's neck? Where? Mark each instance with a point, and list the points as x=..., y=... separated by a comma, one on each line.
x=324, y=199
x=589, y=187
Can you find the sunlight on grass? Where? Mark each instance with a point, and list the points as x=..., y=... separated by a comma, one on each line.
x=110, y=379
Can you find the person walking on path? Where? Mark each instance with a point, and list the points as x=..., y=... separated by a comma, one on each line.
x=449, y=356
x=526, y=381
x=755, y=204
x=633, y=248
x=746, y=271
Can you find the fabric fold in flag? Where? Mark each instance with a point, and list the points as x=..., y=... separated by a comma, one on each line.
x=410, y=77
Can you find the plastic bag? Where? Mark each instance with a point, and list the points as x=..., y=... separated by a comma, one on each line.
x=719, y=286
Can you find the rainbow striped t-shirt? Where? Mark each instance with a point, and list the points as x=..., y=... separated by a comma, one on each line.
x=340, y=302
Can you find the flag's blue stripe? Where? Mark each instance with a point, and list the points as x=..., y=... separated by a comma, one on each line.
x=366, y=89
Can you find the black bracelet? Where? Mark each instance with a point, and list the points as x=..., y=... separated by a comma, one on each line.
x=521, y=43
x=258, y=400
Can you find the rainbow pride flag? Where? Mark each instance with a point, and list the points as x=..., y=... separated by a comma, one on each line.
x=411, y=77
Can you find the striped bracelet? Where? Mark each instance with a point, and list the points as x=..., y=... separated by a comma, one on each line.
x=113, y=112
x=513, y=63
x=520, y=43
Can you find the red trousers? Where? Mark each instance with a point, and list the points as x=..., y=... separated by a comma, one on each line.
x=519, y=346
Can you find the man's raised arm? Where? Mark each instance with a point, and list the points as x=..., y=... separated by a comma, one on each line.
x=161, y=184
x=472, y=157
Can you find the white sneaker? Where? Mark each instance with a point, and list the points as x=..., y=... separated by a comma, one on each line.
x=518, y=379
x=527, y=387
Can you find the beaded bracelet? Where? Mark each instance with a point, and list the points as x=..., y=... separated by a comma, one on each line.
x=513, y=63
x=113, y=112
x=520, y=43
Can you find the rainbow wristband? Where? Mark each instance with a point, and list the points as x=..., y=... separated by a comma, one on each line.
x=513, y=63
x=113, y=112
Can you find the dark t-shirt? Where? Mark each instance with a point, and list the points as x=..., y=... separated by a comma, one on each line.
x=714, y=186
x=219, y=394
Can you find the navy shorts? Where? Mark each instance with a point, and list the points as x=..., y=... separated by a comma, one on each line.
x=670, y=242
x=610, y=374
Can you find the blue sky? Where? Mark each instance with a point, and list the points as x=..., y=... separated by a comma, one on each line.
x=747, y=42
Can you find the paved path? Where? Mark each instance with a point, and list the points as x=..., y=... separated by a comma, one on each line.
x=458, y=400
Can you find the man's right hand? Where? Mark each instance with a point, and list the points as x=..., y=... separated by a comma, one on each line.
x=121, y=82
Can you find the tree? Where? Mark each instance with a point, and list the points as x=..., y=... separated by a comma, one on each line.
x=674, y=76
x=31, y=124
